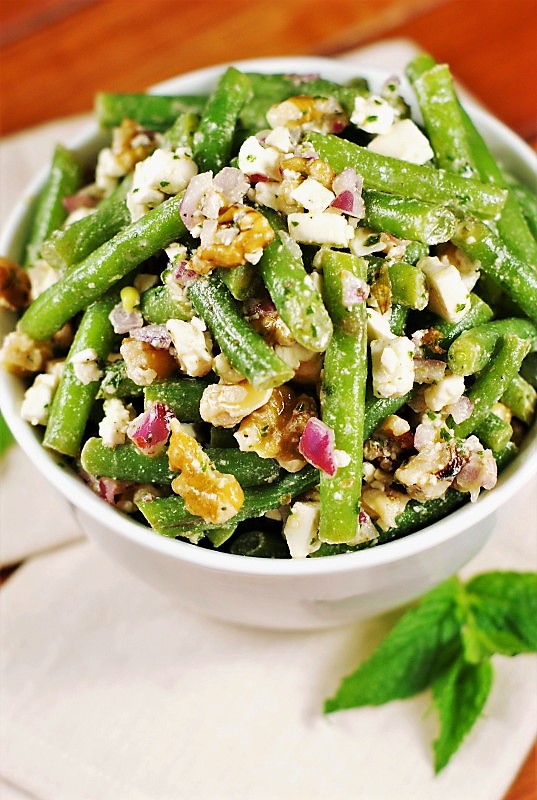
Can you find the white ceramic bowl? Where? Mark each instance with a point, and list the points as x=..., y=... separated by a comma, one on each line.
x=293, y=594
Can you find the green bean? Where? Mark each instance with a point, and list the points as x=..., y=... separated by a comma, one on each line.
x=478, y=313
x=408, y=218
x=245, y=349
x=153, y=111
x=63, y=180
x=343, y=397
x=398, y=319
x=214, y=138
x=378, y=408
x=493, y=381
x=528, y=369
x=393, y=175
x=258, y=544
x=296, y=298
x=181, y=133
x=68, y=246
x=414, y=251
x=243, y=281
x=408, y=284
x=126, y=462
x=521, y=398
x=116, y=382
x=516, y=278
x=494, y=432
x=220, y=536
x=93, y=276
x=526, y=200
x=181, y=395
x=158, y=305
x=169, y=517
x=472, y=350
x=222, y=437
x=74, y=397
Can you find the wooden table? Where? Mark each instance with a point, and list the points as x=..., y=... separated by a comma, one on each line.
x=58, y=53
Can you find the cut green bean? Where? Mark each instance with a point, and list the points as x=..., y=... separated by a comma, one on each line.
x=408, y=218
x=68, y=246
x=492, y=382
x=258, y=544
x=521, y=398
x=494, y=432
x=408, y=284
x=214, y=138
x=153, y=111
x=181, y=133
x=343, y=397
x=219, y=536
x=473, y=349
x=76, y=392
x=63, y=180
x=116, y=382
x=114, y=259
x=298, y=301
x=392, y=175
x=158, y=305
x=169, y=517
x=182, y=396
x=378, y=408
x=478, y=314
x=126, y=462
x=245, y=349
x=243, y=281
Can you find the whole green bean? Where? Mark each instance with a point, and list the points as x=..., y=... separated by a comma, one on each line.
x=68, y=246
x=214, y=138
x=392, y=175
x=245, y=349
x=169, y=517
x=472, y=350
x=298, y=301
x=343, y=397
x=493, y=381
x=74, y=397
x=93, y=276
x=63, y=180
x=127, y=462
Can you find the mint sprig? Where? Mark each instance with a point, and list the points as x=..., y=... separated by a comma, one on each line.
x=446, y=643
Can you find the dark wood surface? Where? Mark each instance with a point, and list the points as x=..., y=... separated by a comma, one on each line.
x=56, y=54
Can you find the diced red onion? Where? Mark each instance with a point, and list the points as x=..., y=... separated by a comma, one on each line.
x=183, y=275
x=156, y=335
x=428, y=370
x=198, y=186
x=347, y=186
x=111, y=488
x=353, y=290
x=232, y=183
x=82, y=199
x=480, y=471
x=425, y=434
x=125, y=321
x=258, y=177
x=150, y=430
x=317, y=445
x=460, y=410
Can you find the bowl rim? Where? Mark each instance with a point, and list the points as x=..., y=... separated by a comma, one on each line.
x=513, y=478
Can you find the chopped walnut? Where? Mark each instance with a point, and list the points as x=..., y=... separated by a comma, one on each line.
x=240, y=236
x=274, y=430
x=14, y=285
x=309, y=113
x=310, y=168
x=145, y=363
x=225, y=405
x=132, y=143
x=208, y=493
x=24, y=356
x=265, y=320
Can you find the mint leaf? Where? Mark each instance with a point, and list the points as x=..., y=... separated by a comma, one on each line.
x=501, y=614
x=459, y=693
x=6, y=437
x=405, y=663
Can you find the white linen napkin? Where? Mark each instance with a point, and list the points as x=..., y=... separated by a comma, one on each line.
x=109, y=691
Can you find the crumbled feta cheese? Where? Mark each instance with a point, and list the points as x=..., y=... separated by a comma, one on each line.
x=108, y=170
x=448, y=296
x=446, y=391
x=404, y=140
x=378, y=325
x=392, y=361
x=114, y=424
x=85, y=366
x=267, y=193
x=320, y=228
x=42, y=275
x=313, y=195
x=384, y=506
x=38, y=397
x=280, y=138
x=22, y=355
x=192, y=345
x=225, y=405
x=301, y=529
x=176, y=252
x=163, y=173
x=373, y=114
x=255, y=159
x=366, y=241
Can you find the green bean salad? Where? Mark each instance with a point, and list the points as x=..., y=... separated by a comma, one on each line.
x=285, y=319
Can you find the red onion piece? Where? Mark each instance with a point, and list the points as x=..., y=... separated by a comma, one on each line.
x=184, y=276
x=347, y=186
x=353, y=290
x=480, y=471
x=111, y=488
x=428, y=370
x=460, y=410
x=150, y=430
x=232, y=183
x=156, y=335
x=317, y=445
x=190, y=205
x=125, y=321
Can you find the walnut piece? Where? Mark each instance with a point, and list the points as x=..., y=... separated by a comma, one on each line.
x=15, y=285
x=145, y=363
